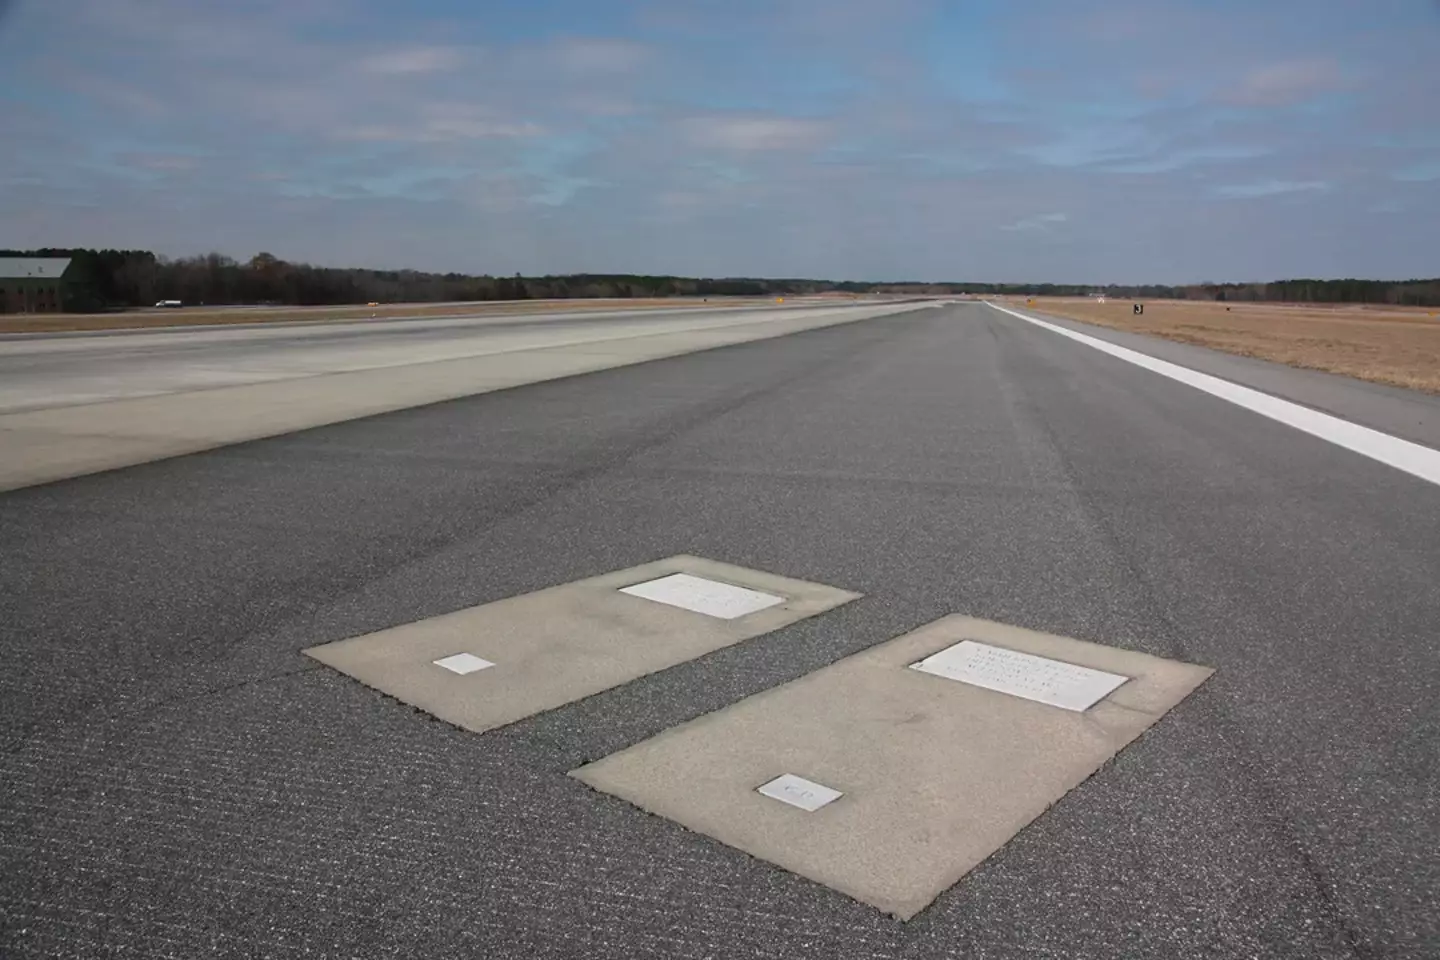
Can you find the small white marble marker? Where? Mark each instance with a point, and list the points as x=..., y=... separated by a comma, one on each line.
x=463, y=663
x=799, y=792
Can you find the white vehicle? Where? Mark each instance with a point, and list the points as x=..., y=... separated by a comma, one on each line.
x=168, y=303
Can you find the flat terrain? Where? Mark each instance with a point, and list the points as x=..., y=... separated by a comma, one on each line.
x=1393, y=345
x=74, y=403
x=39, y=372
x=178, y=780
x=219, y=316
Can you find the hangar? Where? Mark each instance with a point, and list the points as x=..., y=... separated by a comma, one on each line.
x=33, y=284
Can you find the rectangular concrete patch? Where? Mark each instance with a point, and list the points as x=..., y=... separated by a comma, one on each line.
x=491, y=665
x=935, y=775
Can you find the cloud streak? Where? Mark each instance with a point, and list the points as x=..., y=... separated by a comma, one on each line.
x=599, y=55
x=1042, y=222
x=1270, y=188
x=412, y=60
x=754, y=133
x=444, y=123
x=1286, y=84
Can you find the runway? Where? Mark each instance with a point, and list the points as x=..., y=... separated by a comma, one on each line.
x=77, y=403
x=179, y=778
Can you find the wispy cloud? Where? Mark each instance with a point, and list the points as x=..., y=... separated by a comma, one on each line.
x=599, y=54
x=444, y=122
x=1286, y=83
x=160, y=162
x=440, y=131
x=1269, y=188
x=1042, y=222
x=755, y=133
x=114, y=93
x=1166, y=161
x=1419, y=173
x=409, y=60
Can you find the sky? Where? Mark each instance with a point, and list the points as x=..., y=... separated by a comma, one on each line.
x=1065, y=141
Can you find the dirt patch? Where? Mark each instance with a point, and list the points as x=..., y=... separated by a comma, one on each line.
x=1394, y=345
x=218, y=316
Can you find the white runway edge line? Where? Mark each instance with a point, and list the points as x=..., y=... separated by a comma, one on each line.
x=1412, y=458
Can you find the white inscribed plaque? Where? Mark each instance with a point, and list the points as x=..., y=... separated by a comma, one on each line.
x=799, y=792
x=710, y=597
x=463, y=663
x=1052, y=682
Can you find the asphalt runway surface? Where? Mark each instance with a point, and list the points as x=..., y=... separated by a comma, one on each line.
x=177, y=780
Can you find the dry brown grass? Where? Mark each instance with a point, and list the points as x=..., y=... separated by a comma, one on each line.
x=1394, y=345
x=201, y=316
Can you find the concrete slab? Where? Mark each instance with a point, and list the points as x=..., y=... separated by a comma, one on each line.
x=37, y=454
x=554, y=646
x=936, y=775
x=41, y=445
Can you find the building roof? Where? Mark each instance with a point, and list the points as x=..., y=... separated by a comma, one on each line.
x=33, y=268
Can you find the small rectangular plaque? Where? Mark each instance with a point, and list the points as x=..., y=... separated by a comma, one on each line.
x=710, y=597
x=799, y=792
x=463, y=663
x=1041, y=679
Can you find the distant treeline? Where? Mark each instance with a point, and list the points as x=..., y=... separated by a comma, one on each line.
x=111, y=279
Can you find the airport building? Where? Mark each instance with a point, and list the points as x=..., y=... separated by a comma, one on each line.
x=33, y=284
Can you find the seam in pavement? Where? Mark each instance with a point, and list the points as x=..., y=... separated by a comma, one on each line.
x=1281, y=818
x=221, y=689
x=282, y=324
x=17, y=743
x=566, y=345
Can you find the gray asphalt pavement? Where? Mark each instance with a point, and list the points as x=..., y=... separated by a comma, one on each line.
x=177, y=780
x=1408, y=414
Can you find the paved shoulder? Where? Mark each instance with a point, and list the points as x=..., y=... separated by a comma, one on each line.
x=1408, y=414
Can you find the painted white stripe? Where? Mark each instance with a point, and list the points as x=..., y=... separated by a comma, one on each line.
x=1412, y=458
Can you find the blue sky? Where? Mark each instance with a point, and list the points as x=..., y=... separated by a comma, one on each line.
x=1055, y=140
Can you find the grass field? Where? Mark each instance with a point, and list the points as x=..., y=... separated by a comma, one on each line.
x=1394, y=345
x=216, y=316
